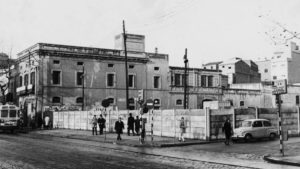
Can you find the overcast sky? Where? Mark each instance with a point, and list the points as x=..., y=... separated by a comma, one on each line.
x=211, y=30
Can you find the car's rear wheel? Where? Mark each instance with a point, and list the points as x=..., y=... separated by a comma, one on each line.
x=248, y=137
x=272, y=136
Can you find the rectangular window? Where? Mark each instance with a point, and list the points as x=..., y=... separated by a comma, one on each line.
x=79, y=63
x=156, y=82
x=56, y=62
x=32, y=78
x=79, y=78
x=21, y=81
x=242, y=103
x=178, y=80
x=229, y=67
x=210, y=81
x=274, y=77
x=56, y=77
x=297, y=100
x=156, y=68
x=203, y=80
x=266, y=70
x=26, y=79
x=110, y=65
x=131, y=81
x=110, y=80
x=131, y=66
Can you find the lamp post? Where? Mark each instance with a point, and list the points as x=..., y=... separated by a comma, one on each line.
x=126, y=67
x=185, y=103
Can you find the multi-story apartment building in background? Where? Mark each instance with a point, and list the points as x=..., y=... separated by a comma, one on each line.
x=284, y=64
x=237, y=70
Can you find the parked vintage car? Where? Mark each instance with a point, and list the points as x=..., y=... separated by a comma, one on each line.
x=255, y=129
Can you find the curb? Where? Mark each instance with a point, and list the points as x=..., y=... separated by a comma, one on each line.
x=271, y=159
x=188, y=143
x=163, y=145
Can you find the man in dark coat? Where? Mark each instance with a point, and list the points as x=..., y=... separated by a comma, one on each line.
x=101, y=123
x=130, y=124
x=137, y=125
x=119, y=126
x=227, y=128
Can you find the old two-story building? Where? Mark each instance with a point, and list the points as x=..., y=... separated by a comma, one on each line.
x=202, y=85
x=73, y=77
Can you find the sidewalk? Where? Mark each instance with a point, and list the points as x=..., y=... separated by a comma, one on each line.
x=291, y=153
x=112, y=138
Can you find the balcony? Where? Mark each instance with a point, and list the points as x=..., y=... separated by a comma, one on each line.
x=24, y=90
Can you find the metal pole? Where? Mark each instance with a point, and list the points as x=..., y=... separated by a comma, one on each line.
x=105, y=124
x=126, y=67
x=185, y=80
x=82, y=77
x=279, y=123
x=152, y=126
x=42, y=103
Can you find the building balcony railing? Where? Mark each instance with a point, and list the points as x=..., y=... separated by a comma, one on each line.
x=23, y=90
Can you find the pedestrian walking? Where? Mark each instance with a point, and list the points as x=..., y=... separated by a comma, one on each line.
x=227, y=128
x=94, y=125
x=47, y=120
x=137, y=125
x=182, y=129
x=119, y=126
x=101, y=123
x=130, y=124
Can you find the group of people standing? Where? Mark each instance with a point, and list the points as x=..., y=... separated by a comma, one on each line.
x=133, y=125
x=101, y=122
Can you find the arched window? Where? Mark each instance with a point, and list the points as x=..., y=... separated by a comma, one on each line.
x=79, y=100
x=55, y=99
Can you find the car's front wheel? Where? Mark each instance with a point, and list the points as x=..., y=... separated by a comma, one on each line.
x=248, y=137
x=272, y=136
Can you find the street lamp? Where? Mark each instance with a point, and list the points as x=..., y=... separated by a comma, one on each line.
x=185, y=103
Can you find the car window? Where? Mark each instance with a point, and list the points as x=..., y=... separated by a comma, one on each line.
x=267, y=124
x=13, y=113
x=4, y=113
x=257, y=124
x=246, y=124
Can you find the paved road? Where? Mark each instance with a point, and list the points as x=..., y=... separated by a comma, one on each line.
x=25, y=151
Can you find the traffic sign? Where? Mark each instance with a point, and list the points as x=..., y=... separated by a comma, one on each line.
x=279, y=87
x=105, y=103
x=149, y=103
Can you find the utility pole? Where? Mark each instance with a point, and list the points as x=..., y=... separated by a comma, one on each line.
x=82, y=78
x=278, y=101
x=126, y=67
x=185, y=103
